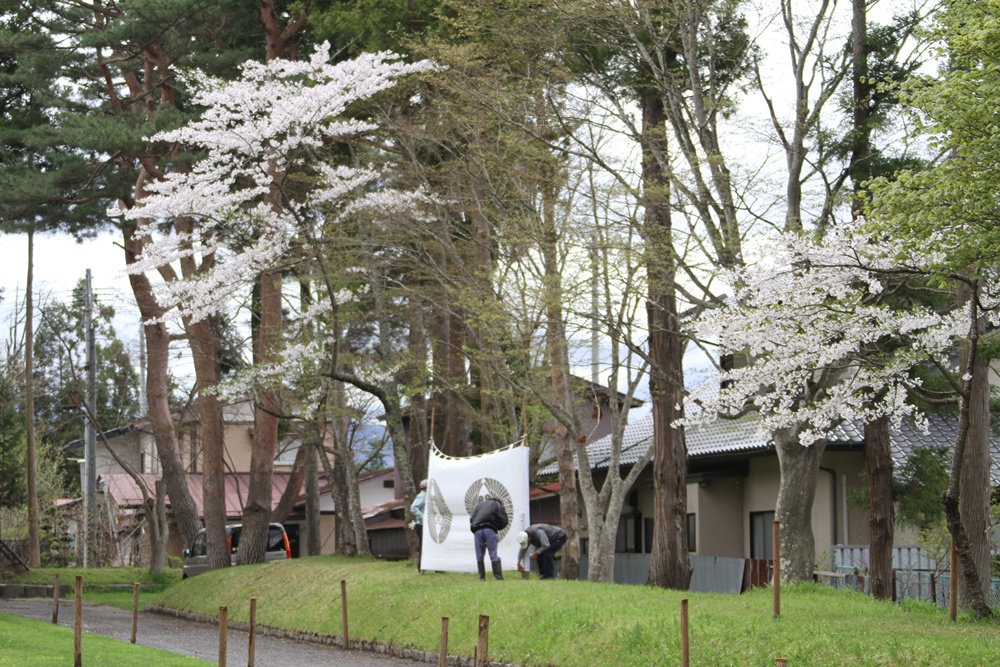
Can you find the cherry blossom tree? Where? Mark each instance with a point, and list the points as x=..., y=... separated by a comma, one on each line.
x=264, y=195
x=829, y=338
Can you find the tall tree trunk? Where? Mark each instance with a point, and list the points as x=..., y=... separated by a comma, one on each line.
x=966, y=500
x=412, y=378
x=562, y=392
x=351, y=513
x=281, y=43
x=974, y=504
x=31, y=474
x=796, y=492
x=670, y=565
x=859, y=167
x=314, y=544
x=157, y=337
x=347, y=544
x=881, y=520
x=203, y=342
x=257, y=511
x=156, y=524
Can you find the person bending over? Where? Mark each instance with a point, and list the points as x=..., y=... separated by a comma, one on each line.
x=486, y=521
x=546, y=540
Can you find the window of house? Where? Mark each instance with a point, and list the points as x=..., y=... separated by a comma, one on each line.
x=762, y=535
x=647, y=534
x=388, y=483
x=629, y=538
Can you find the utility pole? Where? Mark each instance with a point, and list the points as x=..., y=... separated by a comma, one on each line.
x=595, y=313
x=90, y=433
x=31, y=477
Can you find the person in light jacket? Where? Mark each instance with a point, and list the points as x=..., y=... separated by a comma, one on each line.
x=417, y=510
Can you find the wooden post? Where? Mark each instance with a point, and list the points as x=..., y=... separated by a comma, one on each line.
x=894, y=585
x=685, y=646
x=483, y=646
x=343, y=611
x=953, y=587
x=55, y=601
x=777, y=569
x=223, y=627
x=78, y=624
x=135, y=609
x=251, y=649
x=780, y=662
x=443, y=654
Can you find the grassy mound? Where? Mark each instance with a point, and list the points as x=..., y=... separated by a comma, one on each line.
x=580, y=624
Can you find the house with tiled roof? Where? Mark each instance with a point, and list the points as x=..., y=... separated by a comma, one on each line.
x=132, y=444
x=732, y=486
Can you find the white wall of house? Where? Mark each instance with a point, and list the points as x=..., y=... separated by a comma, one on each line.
x=374, y=490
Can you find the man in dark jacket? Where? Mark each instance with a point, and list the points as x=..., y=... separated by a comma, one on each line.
x=546, y=540
x=489, y=517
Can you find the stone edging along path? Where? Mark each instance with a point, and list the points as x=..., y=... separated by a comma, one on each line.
x=328, y=640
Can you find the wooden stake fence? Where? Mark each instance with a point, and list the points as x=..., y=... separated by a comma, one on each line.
x=483, y=646
x=252, y=632
x=78, y=624
x=777, y=569
x=223, y=628
x=685, y=645
x=953, y=584
x=343, y=611
x=443, y=654
x=135, y=609
x=55, y=601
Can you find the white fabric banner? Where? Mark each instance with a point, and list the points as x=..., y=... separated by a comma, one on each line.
x=454, y=487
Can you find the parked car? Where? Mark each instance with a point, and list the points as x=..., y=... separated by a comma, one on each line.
x=196, y=558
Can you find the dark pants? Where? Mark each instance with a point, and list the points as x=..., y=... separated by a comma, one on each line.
x=486, y=539
x=546, y=560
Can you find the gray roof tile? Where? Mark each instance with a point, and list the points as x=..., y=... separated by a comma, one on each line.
x=726, y=436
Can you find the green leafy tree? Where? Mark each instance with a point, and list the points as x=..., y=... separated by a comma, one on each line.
x=948, y=212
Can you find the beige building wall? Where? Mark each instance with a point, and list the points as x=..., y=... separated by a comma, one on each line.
x=852, y=520
x=718, y=516
x=760, y=493
x=823, y=519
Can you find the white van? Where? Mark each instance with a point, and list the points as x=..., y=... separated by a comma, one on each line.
x=196, y=558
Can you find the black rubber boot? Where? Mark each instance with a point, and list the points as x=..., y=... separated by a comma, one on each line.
x=482, y=571
x=498, y=570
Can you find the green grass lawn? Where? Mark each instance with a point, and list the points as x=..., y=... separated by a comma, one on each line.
x=24, y=641
x=95, y=576
x=580, y=624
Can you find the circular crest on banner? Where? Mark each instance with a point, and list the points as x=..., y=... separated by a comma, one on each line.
x=487, y=487
x=439, y=516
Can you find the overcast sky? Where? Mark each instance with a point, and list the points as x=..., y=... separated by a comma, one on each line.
x=59, y=263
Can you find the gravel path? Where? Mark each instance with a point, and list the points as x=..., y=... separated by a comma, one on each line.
x=197, y=639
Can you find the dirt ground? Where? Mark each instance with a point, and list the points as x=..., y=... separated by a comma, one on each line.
x=197, y=639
